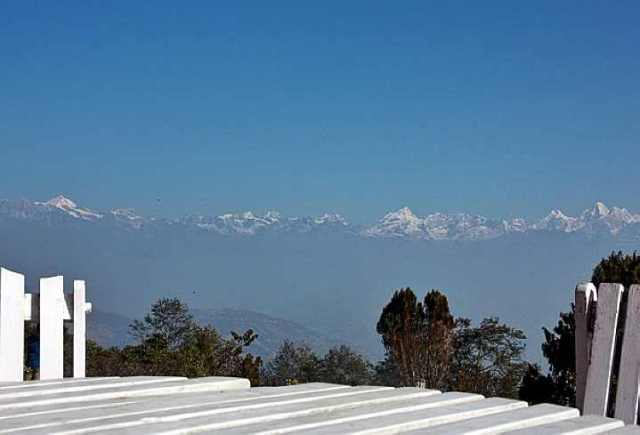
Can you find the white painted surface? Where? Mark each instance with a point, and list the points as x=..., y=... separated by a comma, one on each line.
x=70, y=415
x=627, y=430
x=231, y=415
x=52, y=307
x=525, y=417
x=316, y=416
x=80, y=308
x=177, y=405
x=135, y=417
x=172, y=387
x=586, y=425
x=7, y=386
x=48, y=389
x=11, y=325
x=585, y=296
x=627, y=394
x=30, y=311
x=406, y=419
x=604, y=339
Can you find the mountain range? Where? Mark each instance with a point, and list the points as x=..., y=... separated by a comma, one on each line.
x=597, y=221
x=322, y=273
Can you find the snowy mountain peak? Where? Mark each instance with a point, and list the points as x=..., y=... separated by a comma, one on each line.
x=273, y=215
x=403, y=213
x=62, y=202
x=400, y=223
x=331, y=218
x=599, y=211
x=557, y=214
x=556, y=220
x=128, y=213
x=68, y=206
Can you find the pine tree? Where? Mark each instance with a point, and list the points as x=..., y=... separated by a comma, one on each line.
x=417, y=337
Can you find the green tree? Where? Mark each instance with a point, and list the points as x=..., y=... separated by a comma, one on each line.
x=293, y=364
x=417, y=337
x=425, y=346
x=341, y=365
x=171, y=343
x=536, y=387
x=438, y=342
x=487, y=359
x=619, y=268
x=169, y=321
x=401, y=326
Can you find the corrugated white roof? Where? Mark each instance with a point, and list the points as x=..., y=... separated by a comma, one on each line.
x=151, y=405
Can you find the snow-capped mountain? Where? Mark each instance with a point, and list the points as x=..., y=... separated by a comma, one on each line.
x=558, y=221
x=68, y=206
x=442, y=226
x=248, y=223
x=597, y=221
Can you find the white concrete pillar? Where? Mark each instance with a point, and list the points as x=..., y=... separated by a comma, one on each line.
x=11, y=326
x=52, y=308
x=585, y=297
x=629, y=376
x=80, y=309
x=596, y=393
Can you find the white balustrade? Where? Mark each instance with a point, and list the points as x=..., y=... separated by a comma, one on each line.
x=50, y=309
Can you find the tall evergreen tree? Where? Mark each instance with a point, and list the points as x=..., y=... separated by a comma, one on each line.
x=438, y=342
x=402, y=327
x=418, y=337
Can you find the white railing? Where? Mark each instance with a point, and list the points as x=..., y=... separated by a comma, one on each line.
x=597, y=314
x=50, y=309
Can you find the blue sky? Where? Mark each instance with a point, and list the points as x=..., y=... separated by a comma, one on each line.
x=500, y=108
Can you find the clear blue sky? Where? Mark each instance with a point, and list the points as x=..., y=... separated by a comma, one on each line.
x=499, y=108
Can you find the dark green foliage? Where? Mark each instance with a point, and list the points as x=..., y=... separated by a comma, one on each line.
x=171, y=343
x=537, y=387
x=618, y=268
x=294, y=364
x=168, y=321
x=487, y=359
x=341, y=365
x=386, y=373
x=401, y=326
x=559, y=349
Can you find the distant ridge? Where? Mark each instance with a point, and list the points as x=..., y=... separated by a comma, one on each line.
x=109, y=329
x=597, y=221
x=272, y=331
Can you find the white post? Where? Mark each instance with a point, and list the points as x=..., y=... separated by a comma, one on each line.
x=604, y=343
x=52, y=307
x=585, y=296
x=80, y=309
x=629, y=377
x=11, y=326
